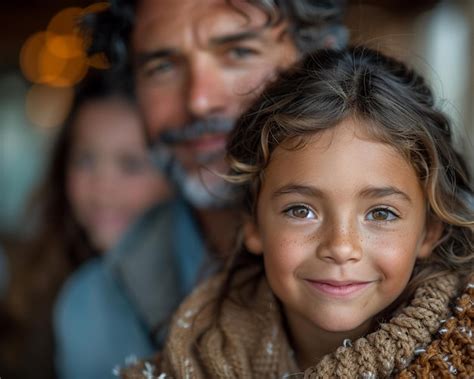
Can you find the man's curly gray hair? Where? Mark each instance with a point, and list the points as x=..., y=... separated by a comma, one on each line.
x=313, y=24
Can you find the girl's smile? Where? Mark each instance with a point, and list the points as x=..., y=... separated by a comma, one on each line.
x=338, y=289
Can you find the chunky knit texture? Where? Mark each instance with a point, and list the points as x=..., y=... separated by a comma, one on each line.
x=451, y=354
x=248, y=341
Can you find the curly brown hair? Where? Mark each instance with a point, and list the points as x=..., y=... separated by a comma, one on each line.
x=399, y=110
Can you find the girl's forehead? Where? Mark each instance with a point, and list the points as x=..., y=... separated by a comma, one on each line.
x=344, y=131
x=341, y=157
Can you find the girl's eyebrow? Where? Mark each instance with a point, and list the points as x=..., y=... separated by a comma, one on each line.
x=368, y=192
x=377, y=192
x=300, y=189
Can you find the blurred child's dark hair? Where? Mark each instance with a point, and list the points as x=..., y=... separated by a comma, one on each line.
x=396, y=107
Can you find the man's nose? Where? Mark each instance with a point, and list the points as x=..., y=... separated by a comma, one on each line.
x=341, y=243
x=207, y=89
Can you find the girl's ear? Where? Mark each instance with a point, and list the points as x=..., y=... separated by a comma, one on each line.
x=433, y=232
x=252, y=239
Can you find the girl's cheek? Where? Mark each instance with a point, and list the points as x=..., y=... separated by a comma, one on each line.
x=286, y=253
x=394, y=255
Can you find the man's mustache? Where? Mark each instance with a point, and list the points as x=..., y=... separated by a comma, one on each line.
x=195, y=130
x=161, y=154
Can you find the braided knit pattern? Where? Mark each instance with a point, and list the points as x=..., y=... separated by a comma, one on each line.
x=250, y=342
x=452, y=354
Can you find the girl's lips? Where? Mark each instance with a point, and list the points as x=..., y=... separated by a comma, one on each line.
x=337, y=289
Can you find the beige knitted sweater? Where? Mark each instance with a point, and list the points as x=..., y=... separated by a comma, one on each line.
x=243, y=337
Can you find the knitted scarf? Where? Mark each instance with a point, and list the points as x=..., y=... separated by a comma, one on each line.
x=233, y=340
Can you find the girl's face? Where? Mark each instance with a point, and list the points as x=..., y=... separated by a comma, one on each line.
x=110, y=179
x=340, y=225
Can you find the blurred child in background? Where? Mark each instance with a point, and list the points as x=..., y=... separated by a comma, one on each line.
x=99, y=180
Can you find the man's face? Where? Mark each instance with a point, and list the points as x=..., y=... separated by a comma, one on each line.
x=198, y=65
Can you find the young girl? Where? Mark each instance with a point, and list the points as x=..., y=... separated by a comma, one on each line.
x=358, y=239
x=99, y=180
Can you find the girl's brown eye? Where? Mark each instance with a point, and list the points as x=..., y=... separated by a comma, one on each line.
x=381, y=214
x=300, y=211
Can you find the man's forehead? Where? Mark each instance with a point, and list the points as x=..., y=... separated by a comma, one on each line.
x=164, y=23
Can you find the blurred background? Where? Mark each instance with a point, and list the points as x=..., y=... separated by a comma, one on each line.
x=42, y=59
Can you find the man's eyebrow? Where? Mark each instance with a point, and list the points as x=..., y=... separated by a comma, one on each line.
x=377, y=192
x=144, y=57
x=236, y=37
x=298, y=189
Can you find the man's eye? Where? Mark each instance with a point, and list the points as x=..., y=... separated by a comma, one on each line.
x=300, y=211
x=381, y=214
x=158, y=68
x=242, y=52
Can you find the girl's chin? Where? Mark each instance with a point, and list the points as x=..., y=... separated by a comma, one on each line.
x=352, y=327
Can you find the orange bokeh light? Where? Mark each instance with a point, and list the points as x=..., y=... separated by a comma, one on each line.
x=41, y=66
x=96, y=7
x=72, y=73
x=65, y=46
x=50, y=66
x=57, y=56
x=29, y=55
x=99, y=61
x=65, y=21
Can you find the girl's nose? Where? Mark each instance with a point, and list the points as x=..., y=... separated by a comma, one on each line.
x=340, y=244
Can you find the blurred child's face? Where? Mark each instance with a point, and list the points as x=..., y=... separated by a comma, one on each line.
x=341, y=223
x=110, y=179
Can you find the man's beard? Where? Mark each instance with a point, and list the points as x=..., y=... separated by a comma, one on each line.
x=214, y=193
